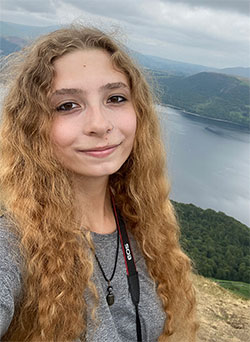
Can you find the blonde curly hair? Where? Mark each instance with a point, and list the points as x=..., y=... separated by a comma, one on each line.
x=37, y=197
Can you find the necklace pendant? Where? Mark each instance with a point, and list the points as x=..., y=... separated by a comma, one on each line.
x=110, y=299
x=110, y=296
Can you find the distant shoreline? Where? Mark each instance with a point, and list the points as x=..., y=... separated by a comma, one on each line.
x=231, y=123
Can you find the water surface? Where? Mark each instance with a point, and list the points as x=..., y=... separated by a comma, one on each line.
x=209, y=164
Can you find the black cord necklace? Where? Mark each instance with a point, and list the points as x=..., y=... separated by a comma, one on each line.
x=132, y=274
x=110, y=296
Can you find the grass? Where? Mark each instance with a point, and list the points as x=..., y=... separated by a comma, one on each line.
x=239, y=288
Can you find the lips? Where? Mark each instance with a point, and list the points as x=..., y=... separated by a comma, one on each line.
x=100, y=152
x=103, y=148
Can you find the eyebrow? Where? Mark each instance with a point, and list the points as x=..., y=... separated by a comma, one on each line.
x=67, y=91
x=115, y=85
x=76, y=91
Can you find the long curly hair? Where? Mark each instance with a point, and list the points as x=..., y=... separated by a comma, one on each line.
x=37, y=197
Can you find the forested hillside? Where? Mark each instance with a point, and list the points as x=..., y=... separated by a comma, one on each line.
x=218, y=244
x=208, y=94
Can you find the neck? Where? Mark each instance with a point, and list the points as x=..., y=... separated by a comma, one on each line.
x=93, y=205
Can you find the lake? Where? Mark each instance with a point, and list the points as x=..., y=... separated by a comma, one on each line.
x=209, y=163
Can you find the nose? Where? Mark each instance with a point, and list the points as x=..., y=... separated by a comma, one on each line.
x=97, y=121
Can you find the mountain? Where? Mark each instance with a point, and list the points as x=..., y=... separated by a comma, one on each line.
x=168, y=65
x=7, y=46
x=184, y=69
x=239, y=71
x=23, y=31
x=14, y=36
x=208, y=94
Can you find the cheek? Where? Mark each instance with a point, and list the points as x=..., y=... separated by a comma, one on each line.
x=128, y=125
x=61, y=134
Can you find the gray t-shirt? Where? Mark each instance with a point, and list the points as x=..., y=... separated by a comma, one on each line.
x=116, y=323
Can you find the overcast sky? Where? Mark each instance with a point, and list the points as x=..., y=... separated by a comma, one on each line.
x=208, y=32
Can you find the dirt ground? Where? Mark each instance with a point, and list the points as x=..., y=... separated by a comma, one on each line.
x=223, y=316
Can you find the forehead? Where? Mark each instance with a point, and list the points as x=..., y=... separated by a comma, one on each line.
x=87, y=68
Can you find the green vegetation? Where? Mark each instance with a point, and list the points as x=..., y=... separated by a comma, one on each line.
x=218, y=244
x=208, y=94
x=238, y=288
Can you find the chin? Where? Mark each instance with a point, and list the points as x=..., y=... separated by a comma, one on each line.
x=107, y=172
x=97, y=172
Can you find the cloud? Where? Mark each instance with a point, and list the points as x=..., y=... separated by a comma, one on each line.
x=110, y=8
x=240, y=6
x=44, y=6
x=210, y=32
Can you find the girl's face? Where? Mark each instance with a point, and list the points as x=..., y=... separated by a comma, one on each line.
x=94, y=119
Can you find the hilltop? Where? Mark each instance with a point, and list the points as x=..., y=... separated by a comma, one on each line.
x=208, y=94
x=223, y=316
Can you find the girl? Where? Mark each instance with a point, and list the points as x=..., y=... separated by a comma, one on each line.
x=88, y=240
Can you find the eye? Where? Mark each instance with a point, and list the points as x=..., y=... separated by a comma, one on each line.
x=116, y=99
x=67, y=106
